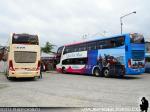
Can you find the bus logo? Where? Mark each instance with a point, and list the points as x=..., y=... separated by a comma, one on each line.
x=20, y=47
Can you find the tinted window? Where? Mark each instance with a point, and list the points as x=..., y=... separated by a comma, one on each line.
x=137, y=38
x=59, y=51
x=101, y=44
x=82, y=47
x=75, y=61
x=120, y=41
x=110, y=43
x=75, y=48
x=66, y=50
x=91, y=45
x=25, y=39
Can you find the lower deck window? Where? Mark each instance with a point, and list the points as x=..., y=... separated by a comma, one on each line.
x=76, y=61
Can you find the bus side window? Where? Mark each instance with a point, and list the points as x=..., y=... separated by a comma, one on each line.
x=100, y=44
x=71, y=49
x=120, y=41
x=84, y=47
x=76, y=49
x=112, y=43
x=105, y=44
x=65, y=62
x=66, y=50
x=94, y=46
x=91, y=46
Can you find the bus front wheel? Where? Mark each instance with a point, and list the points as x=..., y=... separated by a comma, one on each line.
x=106, y=72
x=63, y=70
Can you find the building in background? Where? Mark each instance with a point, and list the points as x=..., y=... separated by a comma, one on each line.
x=2, y=51
x=49, y=61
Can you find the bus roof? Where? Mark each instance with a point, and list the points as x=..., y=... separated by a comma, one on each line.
x=99, y=38
x=24, y=34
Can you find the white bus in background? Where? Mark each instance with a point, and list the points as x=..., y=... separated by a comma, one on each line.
x=23, y=56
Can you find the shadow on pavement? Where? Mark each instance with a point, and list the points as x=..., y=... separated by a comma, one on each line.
x=131, y=77
x=23, y=79
x=127, y=77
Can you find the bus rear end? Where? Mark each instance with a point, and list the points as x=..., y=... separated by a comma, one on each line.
x=136, y=54
x=24, y=56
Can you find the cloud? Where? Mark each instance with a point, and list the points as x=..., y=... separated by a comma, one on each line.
x=64, y=21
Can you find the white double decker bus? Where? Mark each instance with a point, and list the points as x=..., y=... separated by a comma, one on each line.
x=23, y=56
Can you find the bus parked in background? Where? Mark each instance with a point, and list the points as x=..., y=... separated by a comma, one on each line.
x=117, y=55
x=23, y=56
x=147, y=57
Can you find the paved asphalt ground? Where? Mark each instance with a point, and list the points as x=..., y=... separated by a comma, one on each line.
x=71, y=90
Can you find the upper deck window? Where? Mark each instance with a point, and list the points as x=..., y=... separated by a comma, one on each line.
x=25, y=39
x=98, y=44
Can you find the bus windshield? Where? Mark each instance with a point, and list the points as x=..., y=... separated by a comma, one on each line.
x=137, y=38
x=25, y=39
x=59, y=51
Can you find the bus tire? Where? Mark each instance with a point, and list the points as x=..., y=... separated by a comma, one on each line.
x=96, y=72
x=6, y=74
x=63, y=70
x=35, y=78
x=122, y=75
x=106, y=72
x=9, y=78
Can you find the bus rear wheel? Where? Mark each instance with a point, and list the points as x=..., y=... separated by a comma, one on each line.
x=8, y=78
x=35, y=78
x=106, y=73
x=97, y=72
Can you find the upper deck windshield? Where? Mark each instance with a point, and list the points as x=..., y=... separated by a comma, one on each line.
x=25, y=39
x=137, y=38
x=59, y=51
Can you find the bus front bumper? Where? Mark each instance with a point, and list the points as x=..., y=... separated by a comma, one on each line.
x=26, y=74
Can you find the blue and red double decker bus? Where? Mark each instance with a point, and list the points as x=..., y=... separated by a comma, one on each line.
x=117, y=55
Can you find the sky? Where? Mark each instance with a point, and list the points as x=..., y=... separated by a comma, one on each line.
x=65, y=21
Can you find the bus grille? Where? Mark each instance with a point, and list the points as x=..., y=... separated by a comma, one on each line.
x=25, y=57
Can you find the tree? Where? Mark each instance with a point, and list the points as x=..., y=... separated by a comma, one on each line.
x=47, y=48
